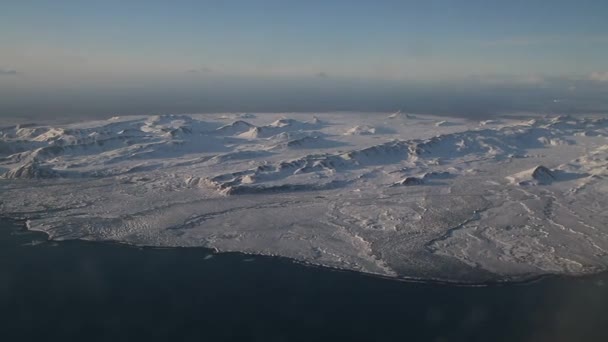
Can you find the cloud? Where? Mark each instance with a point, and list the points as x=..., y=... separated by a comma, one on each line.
x=199, y=70
x=323, y=74
x=498, y=79
x=599, y=76
x=526, y=41
x=523, y=41
x=8, y=71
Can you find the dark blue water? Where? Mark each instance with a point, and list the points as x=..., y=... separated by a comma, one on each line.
x=87, y=291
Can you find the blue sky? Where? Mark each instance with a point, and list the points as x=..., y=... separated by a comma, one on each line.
x=375, y=39
x=113, y=44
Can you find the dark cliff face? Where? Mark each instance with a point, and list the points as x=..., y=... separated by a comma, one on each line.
x=412, y=181
x=543, y=174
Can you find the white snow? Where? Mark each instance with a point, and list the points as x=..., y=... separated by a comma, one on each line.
x=399, y=195
x=360, y=130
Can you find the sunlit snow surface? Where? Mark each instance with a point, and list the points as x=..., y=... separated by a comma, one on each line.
x=398, y=195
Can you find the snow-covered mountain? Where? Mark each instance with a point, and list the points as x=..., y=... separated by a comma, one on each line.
x=401, y=195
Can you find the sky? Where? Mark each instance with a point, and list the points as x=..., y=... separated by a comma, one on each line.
x=108, y=57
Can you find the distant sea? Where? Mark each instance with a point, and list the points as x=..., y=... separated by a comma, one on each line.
x=95, y=291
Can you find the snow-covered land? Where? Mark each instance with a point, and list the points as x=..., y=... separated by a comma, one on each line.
x=398, y=195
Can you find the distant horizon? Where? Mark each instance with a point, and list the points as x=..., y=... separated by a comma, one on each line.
x=459, y=100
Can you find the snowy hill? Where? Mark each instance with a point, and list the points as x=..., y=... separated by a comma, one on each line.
x=538, y=175
x=402, y=195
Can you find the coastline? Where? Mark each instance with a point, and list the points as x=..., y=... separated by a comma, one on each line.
x=213, y=252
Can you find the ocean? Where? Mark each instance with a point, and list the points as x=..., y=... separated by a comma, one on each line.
x=103, y=291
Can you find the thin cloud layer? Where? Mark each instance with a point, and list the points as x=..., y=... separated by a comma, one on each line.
x=599, y=76
x=8, y=71
x=199, y=70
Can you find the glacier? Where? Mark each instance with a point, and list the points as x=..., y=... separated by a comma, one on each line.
x=396, y=195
